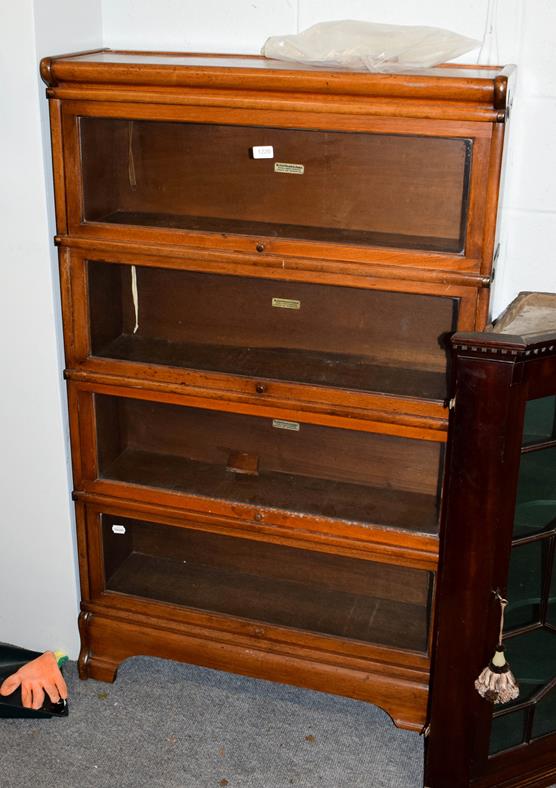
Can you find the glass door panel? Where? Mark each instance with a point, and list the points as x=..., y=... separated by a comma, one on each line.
x=540, y=421
x=368, y=340
x=329, y=186
x=298, y=467
x=507, y=731
x=545, y=715
x=285, y=586
x=530, y=631
x=536, y=494
x=532, y=656
x=525, y=585
x=551, y=606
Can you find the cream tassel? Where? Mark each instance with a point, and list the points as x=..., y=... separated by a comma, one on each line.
x=497, y=682
x=135, y=297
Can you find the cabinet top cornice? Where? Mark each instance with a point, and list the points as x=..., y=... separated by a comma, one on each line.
x=485, y=85
x=527, y=328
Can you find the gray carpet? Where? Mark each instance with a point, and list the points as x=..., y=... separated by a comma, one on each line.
x=163, y=724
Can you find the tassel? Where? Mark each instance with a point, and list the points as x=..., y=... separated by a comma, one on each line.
x=497, y=682
x=135, y=297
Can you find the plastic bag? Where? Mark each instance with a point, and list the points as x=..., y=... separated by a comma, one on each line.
x=369, y=46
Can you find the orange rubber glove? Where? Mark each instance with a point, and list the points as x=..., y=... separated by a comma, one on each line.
x=35, y=678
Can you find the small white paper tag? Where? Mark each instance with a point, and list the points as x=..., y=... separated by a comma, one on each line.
x=262, y=151
x=118, y=529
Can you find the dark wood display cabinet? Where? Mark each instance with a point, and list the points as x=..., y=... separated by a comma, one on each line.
x=262, y=266
x=499, y=537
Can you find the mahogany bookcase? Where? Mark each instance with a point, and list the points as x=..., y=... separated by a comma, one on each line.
x=499, y=537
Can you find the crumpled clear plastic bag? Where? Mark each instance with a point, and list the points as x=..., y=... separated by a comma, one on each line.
x=369, y=46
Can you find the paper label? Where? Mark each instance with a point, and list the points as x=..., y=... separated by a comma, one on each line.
x=291, y=169
x=262, y=151
x=286, y=303
x=280, y=424
x=118, y=529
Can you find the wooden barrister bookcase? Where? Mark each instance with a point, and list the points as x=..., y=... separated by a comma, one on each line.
x=261, y=268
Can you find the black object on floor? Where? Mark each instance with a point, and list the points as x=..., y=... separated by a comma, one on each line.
x=12, y=658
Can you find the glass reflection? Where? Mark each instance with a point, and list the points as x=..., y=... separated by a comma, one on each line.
x=540, y=421
x=551, y=607
x=532, y=656
x=536, y=495
x=524, y=585
x=545, y=715
x=507, y=731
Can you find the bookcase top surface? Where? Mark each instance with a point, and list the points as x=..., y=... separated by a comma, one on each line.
x=528, y=322
x=214, y=60
x=528, y=315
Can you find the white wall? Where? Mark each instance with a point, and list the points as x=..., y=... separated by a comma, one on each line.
x=526, y=34
x=190, y=25
x=529, y=217
x=38, y=582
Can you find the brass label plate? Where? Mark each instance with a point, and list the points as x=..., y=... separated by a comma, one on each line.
x=290, y=169
x=281, y=424
x=286, y=303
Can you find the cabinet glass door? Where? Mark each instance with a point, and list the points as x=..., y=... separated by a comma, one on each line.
x=346, y=337
x=293, y=466
x=269, y=583
x=530, y=623
x=359, y=188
